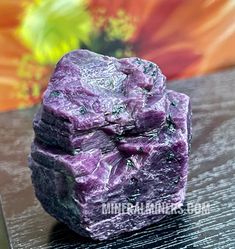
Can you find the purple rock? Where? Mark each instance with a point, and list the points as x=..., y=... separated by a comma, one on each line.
x=109, y=132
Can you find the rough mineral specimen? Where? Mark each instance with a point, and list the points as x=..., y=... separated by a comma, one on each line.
x=109, y=132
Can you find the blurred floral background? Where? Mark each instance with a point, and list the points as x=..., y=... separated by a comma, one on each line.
x=184, y=37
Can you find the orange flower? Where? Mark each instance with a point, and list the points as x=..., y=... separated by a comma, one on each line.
x=184, y=37
x=19, y=78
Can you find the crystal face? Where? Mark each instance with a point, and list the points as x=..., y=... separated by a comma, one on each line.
x=108, y=131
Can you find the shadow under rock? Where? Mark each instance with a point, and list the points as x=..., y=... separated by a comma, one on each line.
x=174, y=231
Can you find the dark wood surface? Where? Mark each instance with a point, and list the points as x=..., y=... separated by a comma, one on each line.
x=211, y=179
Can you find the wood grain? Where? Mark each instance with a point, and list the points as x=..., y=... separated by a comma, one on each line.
x=211, y=179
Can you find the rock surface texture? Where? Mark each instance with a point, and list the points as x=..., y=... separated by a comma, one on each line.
x=109, y=132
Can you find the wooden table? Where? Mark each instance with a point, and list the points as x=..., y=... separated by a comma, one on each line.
x=211, y=179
